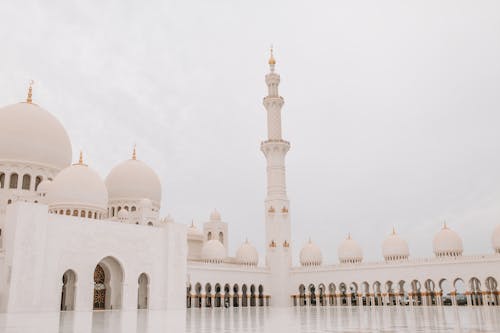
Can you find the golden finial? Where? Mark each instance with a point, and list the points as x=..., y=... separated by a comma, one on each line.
x=272, y=61
x=30, y=92
x=134, y=154
x=80, y=160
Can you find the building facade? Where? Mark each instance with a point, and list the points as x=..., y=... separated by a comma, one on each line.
x=70, y=240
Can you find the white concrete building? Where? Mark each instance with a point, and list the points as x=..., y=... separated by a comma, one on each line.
x=56, y=252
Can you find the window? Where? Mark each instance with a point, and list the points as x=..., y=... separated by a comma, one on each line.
x=26, y=182
x=132, y=209
x=150, y=223
x=13, y=180
x=68, y=212
x=82, y=213
x=2, y=180
x=38, y=180
x=209, y=236
x=75, y=213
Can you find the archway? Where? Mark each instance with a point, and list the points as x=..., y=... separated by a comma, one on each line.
x=197, y=297
x=416, y=293
x=143, y=291
x=312, y=294
x=68, y=291
x=252, y=296
x=445, y=291
x=331, y=290
x=321, y=289
x=261, y=295
x=208, y=295
x=492, y=294
x=476, y=295
x=302, y=295
x=227, y=299
x=390, y=293
x=343, y=294
x=377, y=294
x=353, y=290
x=235, y=296
x=403, y=297
x=365, y=290
x=108, y=284
x=244, y=297
x=459, y=286
x=218, y=301
x=430, y=296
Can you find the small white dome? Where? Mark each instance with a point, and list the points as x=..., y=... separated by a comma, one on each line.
x=447, y=243
x=213, y=251
x=78, y=187
x=310, y=255
x=495, y=239
x=44, y=187
x=134, y=180
x=123, y=214
x=395, y=248
x=350, y=252
x=215, y=216
x=31, y=134
x=247, y=254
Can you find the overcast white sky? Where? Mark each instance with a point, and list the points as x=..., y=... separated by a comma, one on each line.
x=392, y=107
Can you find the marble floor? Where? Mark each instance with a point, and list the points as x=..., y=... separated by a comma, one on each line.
x=290, y=320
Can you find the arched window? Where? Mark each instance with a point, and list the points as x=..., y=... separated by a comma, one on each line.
x=82, y=213
x=221, y=237
x=68, y=212
x=9, y=201
x=150, y=223
x=95, y=215
x=26, y=182
x=89, y=214
x=112, y=211
x=209, y=236
x=126, y=208
x=2, y=180
x=13, y=180
x=75, y=213
x=132, y=209
x=38, y=180
x=61, y=212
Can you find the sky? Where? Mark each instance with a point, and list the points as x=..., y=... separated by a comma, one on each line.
x=392, y=108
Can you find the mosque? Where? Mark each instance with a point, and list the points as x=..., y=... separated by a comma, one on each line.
x=71, y=240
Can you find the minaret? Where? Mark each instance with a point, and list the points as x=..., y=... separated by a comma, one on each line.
x=278, y=233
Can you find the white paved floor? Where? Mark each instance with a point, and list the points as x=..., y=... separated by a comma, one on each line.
x=325, y=319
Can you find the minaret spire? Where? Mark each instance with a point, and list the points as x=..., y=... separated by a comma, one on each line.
x=134, y=154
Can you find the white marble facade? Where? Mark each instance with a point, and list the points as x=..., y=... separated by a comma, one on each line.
x=71, y=240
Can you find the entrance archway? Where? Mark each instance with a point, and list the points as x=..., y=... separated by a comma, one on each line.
x=143, y=292
x=108, y=284
x=68, y=291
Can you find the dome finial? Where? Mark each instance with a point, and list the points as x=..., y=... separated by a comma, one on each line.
x=134, y=153
x=80, y=160
x=30, y=92
x=272, y=61
x=393, y=230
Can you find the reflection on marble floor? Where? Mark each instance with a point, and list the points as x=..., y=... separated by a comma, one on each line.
x=290, y=320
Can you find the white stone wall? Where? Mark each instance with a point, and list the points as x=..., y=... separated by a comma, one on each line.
x=40, y=247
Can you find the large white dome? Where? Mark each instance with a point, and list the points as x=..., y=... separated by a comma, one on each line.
x=349, y=251
x=30, y=134
x=447, y=243
x=78, y=187
x=395, y=248
x=134, y=180
x=247, y=254
x=310, y=255
x=213, y=251
x=495, y=239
